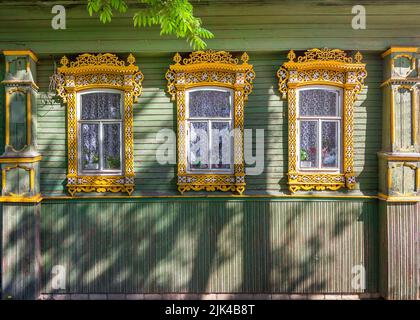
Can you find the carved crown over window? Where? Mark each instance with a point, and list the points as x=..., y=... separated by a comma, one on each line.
x=101, y=71
x=215, y=69
x=331, y=68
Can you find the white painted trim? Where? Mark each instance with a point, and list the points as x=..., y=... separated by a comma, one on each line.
x=319, y=119
x=100, y=172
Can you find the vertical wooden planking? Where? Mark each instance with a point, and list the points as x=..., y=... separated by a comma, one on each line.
x=264, y=110
x=400, y=250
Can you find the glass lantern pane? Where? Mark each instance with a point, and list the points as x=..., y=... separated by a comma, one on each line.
x=402, y=66
x=199, y=150
x=308, y=144
x=221, y=146
x=17, y=120
x=100, y=105
x=329, y=154
x=318, y=102
x=111, y=146
x=90, y=146
x=209, y=104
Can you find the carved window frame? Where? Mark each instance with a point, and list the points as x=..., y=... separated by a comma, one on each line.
x=100, y=122
x=319, y=119
x=214, y=69
x=394, y=70
x=101, y=71
x=31, y=172
x=330, y=68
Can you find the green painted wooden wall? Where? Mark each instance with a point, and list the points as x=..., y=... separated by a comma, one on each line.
x=253, y=245
x=264, y=110
x=257, y=246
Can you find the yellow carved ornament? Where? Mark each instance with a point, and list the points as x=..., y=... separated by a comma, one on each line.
x=211, y=68
x=99, y=71
x=322, y=67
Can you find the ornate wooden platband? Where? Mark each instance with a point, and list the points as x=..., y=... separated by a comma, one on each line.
x=90, y=71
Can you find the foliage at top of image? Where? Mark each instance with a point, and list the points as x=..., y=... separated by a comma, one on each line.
x=174, y=17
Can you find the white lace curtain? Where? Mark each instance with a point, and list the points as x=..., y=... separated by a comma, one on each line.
x=209, y=104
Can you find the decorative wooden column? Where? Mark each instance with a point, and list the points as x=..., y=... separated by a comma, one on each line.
x=399, y=175
x=20, y=161
x=20, y=193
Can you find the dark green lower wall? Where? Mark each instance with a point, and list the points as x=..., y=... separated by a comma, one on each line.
x=210, y=245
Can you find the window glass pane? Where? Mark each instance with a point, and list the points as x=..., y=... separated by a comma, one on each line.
x=111, y=146
x=100, y=105
x=402, y=66
x=318, y=102
x=90, y=146
x=199, y=153
x=329, y=156
x=308, y=144
x=221, y=145
x=209, y=103
x=17, y=120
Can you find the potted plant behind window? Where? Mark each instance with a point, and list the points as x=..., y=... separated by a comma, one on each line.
x=305, y=162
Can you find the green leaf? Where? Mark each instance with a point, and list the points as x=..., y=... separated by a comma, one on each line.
x=175, y=17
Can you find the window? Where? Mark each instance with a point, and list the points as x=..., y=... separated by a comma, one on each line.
x=100, y=127
x=321, y=88
x=319, y=126
x=209, y=125
x=100, y=91
x=210, y=89
x=19, y=136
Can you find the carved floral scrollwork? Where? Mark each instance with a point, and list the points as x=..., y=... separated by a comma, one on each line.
x=329, y=67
